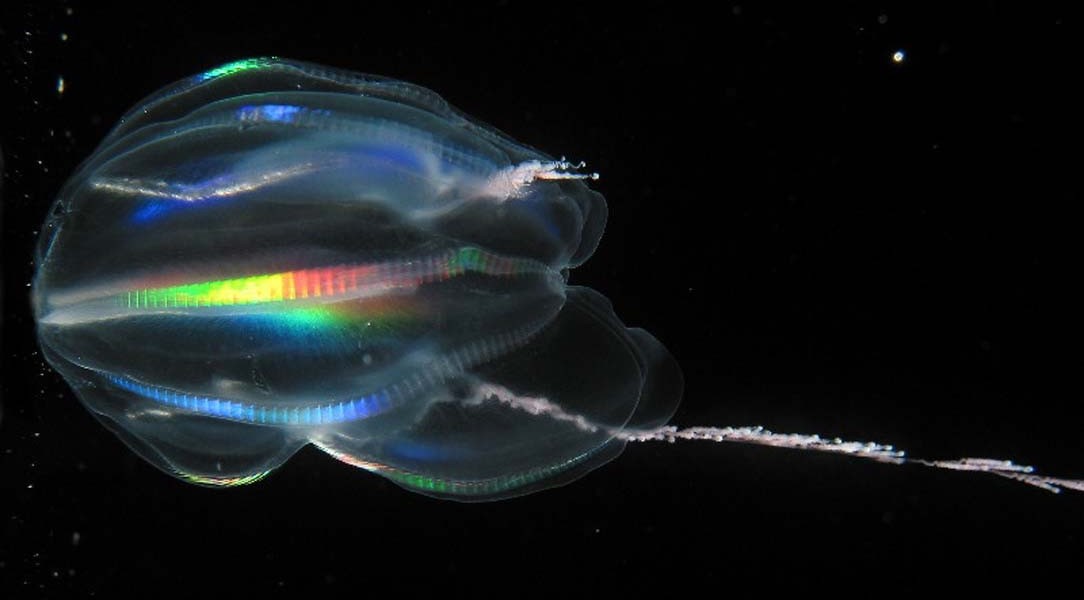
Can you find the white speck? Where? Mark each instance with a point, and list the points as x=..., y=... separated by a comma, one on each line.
x=60, y=84
x=63, y=37
x=898, y=57
x=882, y=19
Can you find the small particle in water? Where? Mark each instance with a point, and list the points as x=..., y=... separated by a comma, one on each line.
x=60, y=84
x=898, y=56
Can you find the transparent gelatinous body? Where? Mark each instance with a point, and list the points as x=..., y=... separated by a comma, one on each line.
x=273, y=254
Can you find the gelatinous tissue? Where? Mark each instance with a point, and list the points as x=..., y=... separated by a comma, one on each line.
x=273, y=254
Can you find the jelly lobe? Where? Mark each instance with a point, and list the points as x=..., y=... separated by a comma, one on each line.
x=273, y=254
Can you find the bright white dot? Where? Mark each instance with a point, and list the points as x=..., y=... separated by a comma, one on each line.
x=60, y=85
x=898, y=57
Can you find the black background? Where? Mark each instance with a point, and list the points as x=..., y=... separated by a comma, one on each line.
x=828, y=241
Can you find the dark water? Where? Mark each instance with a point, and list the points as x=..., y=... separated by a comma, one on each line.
x=828, y=241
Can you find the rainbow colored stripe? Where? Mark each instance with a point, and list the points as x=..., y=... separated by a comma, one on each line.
x=323, y=414
x=456, y=487
x=223, y=481
x=237, y=66
x=330, y=283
